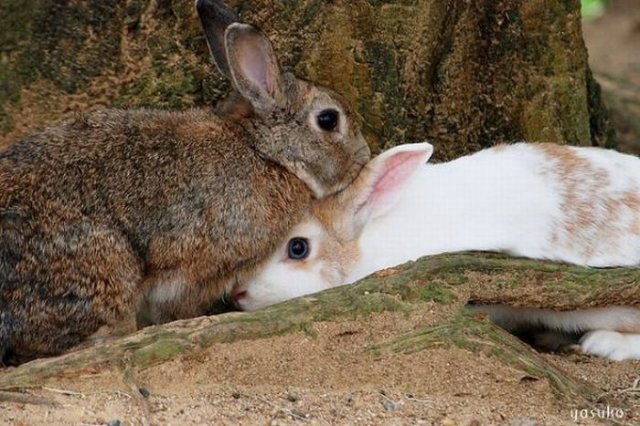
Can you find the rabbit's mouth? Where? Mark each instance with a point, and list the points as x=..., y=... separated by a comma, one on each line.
x=359, y=159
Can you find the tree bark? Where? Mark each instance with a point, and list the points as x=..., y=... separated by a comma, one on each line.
x=464, y=75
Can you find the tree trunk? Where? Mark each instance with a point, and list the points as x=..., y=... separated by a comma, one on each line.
x=464, y=75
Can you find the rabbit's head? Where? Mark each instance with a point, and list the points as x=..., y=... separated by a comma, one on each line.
x=305, y=128
x=323, y=250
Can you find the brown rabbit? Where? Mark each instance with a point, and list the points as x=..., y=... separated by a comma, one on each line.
x=124, y=214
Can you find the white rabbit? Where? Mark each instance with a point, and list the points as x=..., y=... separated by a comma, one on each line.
x=543, y=201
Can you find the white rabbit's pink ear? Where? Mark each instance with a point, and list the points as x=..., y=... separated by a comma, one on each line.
x=383, y=180
x=254, y=68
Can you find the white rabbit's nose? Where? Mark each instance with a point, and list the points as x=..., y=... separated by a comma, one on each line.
x=239, y=298
x=238, y=294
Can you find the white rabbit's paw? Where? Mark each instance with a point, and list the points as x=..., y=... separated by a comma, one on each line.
x=611, y=344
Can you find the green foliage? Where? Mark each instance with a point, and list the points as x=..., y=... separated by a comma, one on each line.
x=591, y=9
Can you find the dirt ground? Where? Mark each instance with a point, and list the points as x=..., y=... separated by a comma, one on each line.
x=331, y=376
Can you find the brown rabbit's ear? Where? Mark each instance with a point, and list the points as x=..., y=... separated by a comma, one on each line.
x=215, y=17
x=254, y=67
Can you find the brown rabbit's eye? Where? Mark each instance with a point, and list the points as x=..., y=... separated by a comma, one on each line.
x=328, y=119
x=298, y=248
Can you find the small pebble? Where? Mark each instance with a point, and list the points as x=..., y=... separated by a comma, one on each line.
x=236, y=395
x=388, y=405
x=144, y=392
x=113, y=423
x=299, y=414
x=292, y=397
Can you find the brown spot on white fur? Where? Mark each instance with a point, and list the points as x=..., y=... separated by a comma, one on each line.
x=500, y=147
x=339, y=246
x=592, y=213
x=632, y=201
x=338, y=252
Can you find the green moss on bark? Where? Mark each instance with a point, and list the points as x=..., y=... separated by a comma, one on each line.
x=463, y=75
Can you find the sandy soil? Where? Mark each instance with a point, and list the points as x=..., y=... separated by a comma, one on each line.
x=331, y=376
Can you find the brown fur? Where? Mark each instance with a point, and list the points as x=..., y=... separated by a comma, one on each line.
x=339, y=246
x=97, y=212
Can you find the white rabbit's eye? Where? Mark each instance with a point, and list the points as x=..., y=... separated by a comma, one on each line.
x=328, y=119
x=298, y=248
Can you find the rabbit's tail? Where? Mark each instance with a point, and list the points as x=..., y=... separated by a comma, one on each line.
x=614, y=318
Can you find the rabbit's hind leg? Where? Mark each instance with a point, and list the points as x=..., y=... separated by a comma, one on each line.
x=616, y=336
x=611, y=344
x=84, y=278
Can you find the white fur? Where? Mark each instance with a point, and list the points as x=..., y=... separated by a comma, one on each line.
x=610, y=318
x=511, y=199
x=611, y=344
x=291, y=282
x=167, y=291
x=497, y=200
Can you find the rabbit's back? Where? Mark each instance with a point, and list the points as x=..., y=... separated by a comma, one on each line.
x=575, y=204
x=599, y=200
x=144, y=173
